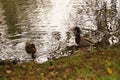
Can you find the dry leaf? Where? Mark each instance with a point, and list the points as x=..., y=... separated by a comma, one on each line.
x=8, y=71
x=109, y=70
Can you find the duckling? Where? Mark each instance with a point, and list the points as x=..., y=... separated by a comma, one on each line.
x=30, y=49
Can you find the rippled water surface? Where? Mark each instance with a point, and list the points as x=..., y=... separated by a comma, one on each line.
x=44, y=22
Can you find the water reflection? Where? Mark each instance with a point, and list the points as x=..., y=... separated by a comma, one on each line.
x=10, y=11
x=31, y=20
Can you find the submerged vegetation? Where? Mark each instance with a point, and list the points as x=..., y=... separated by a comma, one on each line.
x=101, y=64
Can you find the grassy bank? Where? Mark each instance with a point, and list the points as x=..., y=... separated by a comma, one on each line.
x=82, y=65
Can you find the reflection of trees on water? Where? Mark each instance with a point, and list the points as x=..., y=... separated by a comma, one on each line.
x=16, y=16
x=108, y=23
x=11, y=17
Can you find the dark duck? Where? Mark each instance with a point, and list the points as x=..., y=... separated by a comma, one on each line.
x=80, y=41
x=30, y=49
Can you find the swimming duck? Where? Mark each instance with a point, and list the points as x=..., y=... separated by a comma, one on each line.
x=80, y=40
x=30, y=49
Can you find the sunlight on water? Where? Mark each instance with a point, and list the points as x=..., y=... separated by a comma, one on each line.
x=59, y=12
x=59, y=15
x=45, y=24
x=53, y=22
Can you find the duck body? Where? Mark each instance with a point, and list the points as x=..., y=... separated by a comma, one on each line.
x=83, y=43
x=77, y=39
x=80, y=41
x=30, y=49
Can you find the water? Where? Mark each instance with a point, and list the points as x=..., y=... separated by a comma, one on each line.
x=47, y=23
x=44, y=22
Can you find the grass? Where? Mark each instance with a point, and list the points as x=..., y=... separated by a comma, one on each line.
x=98, y=64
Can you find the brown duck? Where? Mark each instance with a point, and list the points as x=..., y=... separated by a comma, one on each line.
x=30, y=49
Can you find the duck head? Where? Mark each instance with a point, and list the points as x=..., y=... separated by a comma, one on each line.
x=77, y=31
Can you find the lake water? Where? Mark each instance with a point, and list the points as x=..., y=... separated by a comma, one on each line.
x=47, y=23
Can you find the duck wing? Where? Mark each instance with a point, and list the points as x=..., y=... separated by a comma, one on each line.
x=85, y=43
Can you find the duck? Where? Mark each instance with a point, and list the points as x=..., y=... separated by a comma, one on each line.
x=30, y=49
x=81, y=41
x=77, y=30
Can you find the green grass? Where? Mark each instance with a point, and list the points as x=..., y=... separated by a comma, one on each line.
x=81, y=65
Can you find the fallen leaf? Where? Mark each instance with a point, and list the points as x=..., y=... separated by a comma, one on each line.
x=42, y=74
x=24, y=66
x=109, y=70
x=8, y=71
